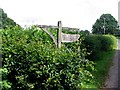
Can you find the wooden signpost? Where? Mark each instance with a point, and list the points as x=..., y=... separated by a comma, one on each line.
x=61, y=37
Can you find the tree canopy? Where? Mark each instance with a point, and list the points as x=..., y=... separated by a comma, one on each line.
x=5, y=21
x=85, y=32
x=106, y=24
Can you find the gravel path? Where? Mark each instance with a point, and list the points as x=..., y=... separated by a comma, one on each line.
x=113, y=80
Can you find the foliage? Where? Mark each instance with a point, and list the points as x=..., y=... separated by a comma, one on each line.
x=102, y=65
x=102, y=49
x=92, y=45
x=34, y=63
x=107, y=42
x=5, y=20
x=97, y=43
x=107, y=22
x=4, y=83
x=117, y=33
x=84, y=33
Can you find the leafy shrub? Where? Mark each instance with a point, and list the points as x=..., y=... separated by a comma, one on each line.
x=97, y=43
x=84, y=32
x=34, y=63
x=93, y=46
x=5, y=84
x=107, y=42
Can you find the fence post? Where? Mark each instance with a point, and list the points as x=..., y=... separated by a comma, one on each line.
x=59, y=36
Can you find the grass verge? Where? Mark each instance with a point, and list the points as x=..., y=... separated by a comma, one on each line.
x=102, y=65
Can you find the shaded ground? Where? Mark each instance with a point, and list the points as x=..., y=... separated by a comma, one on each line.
x=113, y=80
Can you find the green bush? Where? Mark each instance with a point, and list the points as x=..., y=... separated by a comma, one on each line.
x=4, y=83
x=34, y=63
x=107, y=42
x=97, y=43
x=93, y=46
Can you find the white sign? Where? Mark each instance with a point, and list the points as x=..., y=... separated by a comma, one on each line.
x=69, y=37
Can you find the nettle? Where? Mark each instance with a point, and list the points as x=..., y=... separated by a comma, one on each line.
x=33, y=62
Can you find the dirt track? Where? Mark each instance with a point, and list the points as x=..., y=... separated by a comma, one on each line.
x=113, y=80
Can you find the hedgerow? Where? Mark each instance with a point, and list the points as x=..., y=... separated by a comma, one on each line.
x=33, y=62
x=97, y=43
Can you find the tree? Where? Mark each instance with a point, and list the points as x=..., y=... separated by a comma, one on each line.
x=5, y=21
x=85, y=32
x=106, y=24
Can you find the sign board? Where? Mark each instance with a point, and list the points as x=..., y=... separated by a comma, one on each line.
x=69, y=37
x=61, y=37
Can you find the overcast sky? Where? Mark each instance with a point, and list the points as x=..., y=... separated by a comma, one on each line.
x=73, y=13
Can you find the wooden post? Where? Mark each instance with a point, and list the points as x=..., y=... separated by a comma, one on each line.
x=59, y=34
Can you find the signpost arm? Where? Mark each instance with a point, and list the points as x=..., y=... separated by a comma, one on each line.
x=50, y=34
x=59, y=37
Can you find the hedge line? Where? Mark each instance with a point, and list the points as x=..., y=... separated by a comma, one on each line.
x=97, y=43
x=32, y=62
